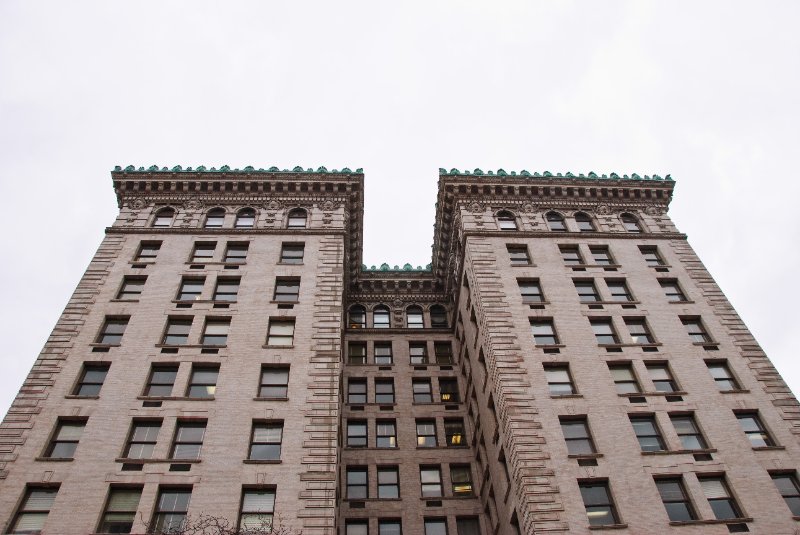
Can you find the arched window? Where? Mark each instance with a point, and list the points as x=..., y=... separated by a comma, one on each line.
x=246, y=218
x=164, y=218
x=297, y=218
x=630, y=222
x=506, y=220
x=215, y=218
x=380, y=317
x=556, y=222
x=414, y=317
x=357, y=317
x=438, y=316
x=584, y=222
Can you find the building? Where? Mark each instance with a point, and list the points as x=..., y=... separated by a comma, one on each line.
x=565, y=364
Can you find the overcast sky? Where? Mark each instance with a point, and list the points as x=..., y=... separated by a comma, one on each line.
x=706, y=91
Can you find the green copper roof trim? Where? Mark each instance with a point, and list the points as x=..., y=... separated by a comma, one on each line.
x=386, y=267
x=227, y=169
x=547, y=174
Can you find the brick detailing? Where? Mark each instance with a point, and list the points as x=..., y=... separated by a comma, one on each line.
x=538, y=499
x=763, y=370
x=318, y=511
x=34, y=390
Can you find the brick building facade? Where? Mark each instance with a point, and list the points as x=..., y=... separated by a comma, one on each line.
x=565, y=364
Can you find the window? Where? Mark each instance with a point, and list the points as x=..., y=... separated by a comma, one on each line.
x=604, y=331
x=584, y=222
x=227, y=290
x=438, y=317
x=555, y=222
x=357, y=488
x=357, y=391
x=619, y=290
x=559, y=380
x=91, y=380
x=651, y=256
x=571, y=255
x=676, y=502
x=418, y=352
x=422, y=390
x=672, y=290
x=639, y=331
x=443, y=351
x=148, y=250
x=171, y=508
x=357, y=317
x=216, y=332
x=164, y=218
x=188, y=439
x=274, y=382
x=357, y=353
x=426, y=433
x=203, y=251
x=414, y=318
x=380, y=317
x=431, y=480
x=468, y=526
x=33, y=510
x=531, y=291
x=789, y=489
x=543, y=332
x=576, y=434
x=689, y=434
x=190, y=289
x=258, y=508
x=454, y=432
x=461, y=479
x=112, y=331
x=695, y=330
x=448, y=391
x=357, y=527
x=161, y=380
x=390, y=527
x=435, y=526
x=246, y=218
x=388, y=482
x=280, y=332
x=131, y=288
x=384, y=391
x=265, y=444
x=587, y=292
x=601, y=255
x=292, y=253
x=287, y=290
x=598, y=503
x=722, y=375
x=297, y=218
x=647, y=433
x=215, y=218
x=383, y=353
x=203, y=382
x=662, y=378
x=518, y=254
x=624, y=379
x=236, y=253
x=754, y=429
x=120, y=510
x=506, y=220
x=719, y=497
x=65, y=439
x=142, y=439
x=630, y=223
x=385, y=434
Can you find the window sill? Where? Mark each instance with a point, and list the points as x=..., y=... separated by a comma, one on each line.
x=565, y=396
x=265, y=346
x=709, y=343
x=465, y=497
x=679, y=452
x=123, y=301
x=71, y=396
x=637, y=394
x=654, y=344
x=610, y=526
x=611, y=302
x=465, y=446
x=367, y=364
x=274, y=302
x=174, y=398
x=214, y=301
x=535, y=302
x=585, y=456
x=547, y=346
x=290, y=263
x=769, y=448
x=54, y=459
x=431, y=364
x=436, y=403
x=270, y=399
x=156, y=461
x=262, y=461
x=689, y=302
x=714, y=521
x=373, y=404
x=105, y=345
x=148, y=262
x=209, y=262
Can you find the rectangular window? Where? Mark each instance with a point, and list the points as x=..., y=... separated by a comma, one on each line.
x=188, y=439
x=292, y=253
x=258, y=508
x=722, y=375
x=177, y=331
x=383, y=353
x=662, y=377
x=33, y=511
x=461, y=479
x=639, y=331
x=357, y=353
x=599, y=505
x=265, y=443
x=356, y=391
x=435, y=526
x=356, y=527
x=418, y=352
x=672, y=290
x=518, y=255
x=236, y=253
x=287, y=289
x=91, y=380
x=719, y=497
x=426, y=433
x=624, y=378
x=384, y=391
x=227, y=290
x=559, y=380
x=203, y=382
x=120, y=511
x=357, y=487
x=443, y=351
x=587, y=291
x=651, y=255
x=576, y=434
x=131, y=288
x=171, y=508
x=647, y=433
x=676, y=501
x=531, y=291
x=431, y=481
x=604, y=331
x=161, y=380
x=385, y=434
x=274, y=382
x=112, y=331
x=388, y=483
x=65, y=439
x=544, y=332
x=216, y=332
x=356, y=433
x=448, y=391
x=571, y=255
x=468, y=526
x=689, y=434
x=203, y=251
x=280, y=332
x=142, y=439
x=601, y=255
x=390, y=527
x=619, y=290
x=789, y=489
x=754, y=429
x=190, y=289
x=696, y=330
x=422, y=390
x=148, y=250
x=454, y=432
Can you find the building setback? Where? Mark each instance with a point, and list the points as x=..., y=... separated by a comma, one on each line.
x=564, y=364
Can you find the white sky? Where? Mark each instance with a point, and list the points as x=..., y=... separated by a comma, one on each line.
x=707, y=91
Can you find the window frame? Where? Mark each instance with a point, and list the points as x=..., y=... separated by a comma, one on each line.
x=265, y=518
x=179, y=442
x=552, y=337
x=272, y=448
x=584, y=222
x=695, y=432
x=203, y=246
x=417, y=396
x=684, y=499
x=225, y=283
x=644, y=331
x=729, y=498
x=652, y=256
x=107, y=337
x=518, y=254
x=673, y=291
x=379, y=358
x=267, y=368
x=619, y=291
x=584, y=296
x=506, y=220
x=125, y=294
x=160, y=220
x=294, y=220
x=292, y=247
x=245, y=214
x=161, y=516
x=381, y=436
x=286, y=340
x=571, y=255
x=409, y=314
x=69, y=442
x=107, y=525
x=531, y=291
x=550, y=369
x=669, y=377
x=380, y=391
x=458, y=471
x=147, y=440
x=352, y=393
x=286, y=290
x=188, y=283
x=700, y=335
x=653, y=439
x=450, y=433
x=82, y=381
x=215, y=331
x=578, y=446
x=421, y=424
x=628, y=366
x=794, y=496
x=195, y=382
x=767, y=439
x=605, y=250
x=215, y=218
x=351, y=488
x=356, y=353
x=730, y=378
x=23, y=509
x=147, y=245
x=608, y=503
x=390, y=470
x=236, y=247
x=631, y=223
x=155, y=382
x=353, y=313
x=381, y=311
x=610, y=338
x=435, y=486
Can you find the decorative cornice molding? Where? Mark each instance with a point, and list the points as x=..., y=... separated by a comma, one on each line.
x=479, y=173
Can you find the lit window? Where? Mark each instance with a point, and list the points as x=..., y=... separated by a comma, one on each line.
x=388, y=483
x=789, y=489
x=287, y=289
x=518, y=255
x=435, y=526
x=380, y=317
x=422, y=390
x=619, y=290
x=33, y=511
x=414, y=318
x=695, y=330
x=543, y=332
x=426, y=433
x=587, y=291
x=171, y=508
x=148, y=250
x=357, y=487
x=120, y=510
x=258, y=508
x=599, y=505
x=142, y=439
x=555, y=222
x=719, y=498
x=384, y=391
x=689, y=434
x=723, y=377
x=177, y=331
x=112, y=331
x=651, y=256
x=164, y=218
x=601, y=255
x=672, y=290
x=461, y=480
x=754, y=429
x=188, y=439
x=227, y=290
x=624, y=379
x=246, y=218
x=161, y=380
x=571, y=255
x=357, y=317
x=431, y=481
x=576, y=435
x=236, y=253
x=584, y=222
x=647, y=433
x=506, y=220
x=203, y=251
x=448, y=391
x=190, y=289
x=215, y=218
x=203, y=382
x=265, y=444
x=418, y=352
x=531, y=291
x=676, y=501
x=357, y=391
x=357, y=353
x=604, y=331
x=385, y=434
x=454, y=432
x=559, y=380
x=443, y=352
x=131, y=288
x=297, y=218
x=280, y=332
x=639, y=331
x=65, y=439
x=438, y=317
x=274, y=382
x=216, y=332
x=630, y=223
x=662, y=378
x=292, y=253
x=91, y=381
x=383, y=353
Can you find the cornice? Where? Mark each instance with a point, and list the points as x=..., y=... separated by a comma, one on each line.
x=204, y=232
